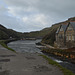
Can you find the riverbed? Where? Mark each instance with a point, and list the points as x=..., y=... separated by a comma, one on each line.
x=30, y=47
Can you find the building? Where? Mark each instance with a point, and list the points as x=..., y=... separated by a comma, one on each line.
x=65, y=36
x=70, y=35
x=60, y=36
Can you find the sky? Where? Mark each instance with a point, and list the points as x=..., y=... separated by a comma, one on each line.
x=34, y=15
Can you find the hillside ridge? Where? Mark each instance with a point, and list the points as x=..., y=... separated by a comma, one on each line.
x=7, y=33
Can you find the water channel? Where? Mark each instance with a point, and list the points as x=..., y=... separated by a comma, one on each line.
x=30, y=46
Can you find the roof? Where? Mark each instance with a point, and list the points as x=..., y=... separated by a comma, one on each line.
x=73, y=25
x=64, y=27
x=58, y=30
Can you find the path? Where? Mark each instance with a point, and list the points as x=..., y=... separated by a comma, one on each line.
x=25, y=64
x=48, y=46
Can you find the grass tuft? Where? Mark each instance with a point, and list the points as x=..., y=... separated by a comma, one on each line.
x=3, y=43
x=64, y=70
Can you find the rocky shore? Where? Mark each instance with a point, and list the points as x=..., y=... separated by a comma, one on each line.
x=63, y=54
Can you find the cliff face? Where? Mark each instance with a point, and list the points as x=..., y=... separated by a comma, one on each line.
x=50, y=37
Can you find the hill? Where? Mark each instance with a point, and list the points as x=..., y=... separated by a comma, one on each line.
x=7, y=33
x=41, y=33
x=48, y=34
x=50, y=37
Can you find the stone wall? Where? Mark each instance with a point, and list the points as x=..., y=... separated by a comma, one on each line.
x=70, y=44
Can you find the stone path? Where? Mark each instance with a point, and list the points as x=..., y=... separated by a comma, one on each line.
x=25, y=64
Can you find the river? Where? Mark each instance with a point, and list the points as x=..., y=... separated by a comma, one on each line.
x=30, y=46
x=25, y=46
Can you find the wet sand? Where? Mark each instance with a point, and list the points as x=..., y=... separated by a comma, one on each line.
x=25, y=64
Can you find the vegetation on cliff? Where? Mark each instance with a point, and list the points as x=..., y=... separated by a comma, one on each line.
x=50, y=37
x=7, y=33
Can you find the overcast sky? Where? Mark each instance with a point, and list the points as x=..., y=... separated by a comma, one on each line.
x=32, y=15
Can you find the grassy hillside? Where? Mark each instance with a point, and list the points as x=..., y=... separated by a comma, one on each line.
x=50, y=37
x=38, y=34
x=41, y=33
x=7, y=33
x=3, y=35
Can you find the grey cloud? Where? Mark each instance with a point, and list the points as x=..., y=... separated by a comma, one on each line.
x=54, y=10
x=57, y=7
x=45, y=6
x=50, y=7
